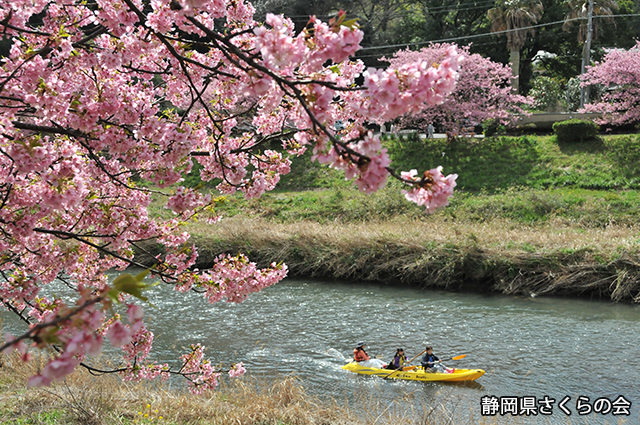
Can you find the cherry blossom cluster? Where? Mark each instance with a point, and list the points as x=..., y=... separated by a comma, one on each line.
x=335, y=41
x=482, y=91
x=237, y=370
x=73, y=332
x=187, y=199
x=619, y=72
x=364, y=160
x=409, y=87
x=432, y=189
x=20, y=346
x=139, y=372
x=270, y=44
x=234, y=278
x=285, y=52
x=121, y=335
x=106, y=106
x=201, y=373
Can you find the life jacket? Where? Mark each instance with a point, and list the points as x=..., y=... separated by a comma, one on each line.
x=398, y=361
x=429, y=358
x=360, y=355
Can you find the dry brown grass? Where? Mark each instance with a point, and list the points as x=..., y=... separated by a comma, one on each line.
x=498, y=256
x=85, y=399
x=499, y=235
x=106, y=400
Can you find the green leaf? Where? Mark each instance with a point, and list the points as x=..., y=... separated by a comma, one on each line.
x=113, y=294
x=132, y=285
x=351, y=24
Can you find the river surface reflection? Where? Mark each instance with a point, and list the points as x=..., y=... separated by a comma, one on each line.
x=529, y=347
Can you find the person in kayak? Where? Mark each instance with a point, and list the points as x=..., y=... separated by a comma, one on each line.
x=399, y=359
x=432, y=364
x=359, y=353
x=362, y=357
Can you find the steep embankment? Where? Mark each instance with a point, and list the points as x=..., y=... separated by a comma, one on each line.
x=530, y=216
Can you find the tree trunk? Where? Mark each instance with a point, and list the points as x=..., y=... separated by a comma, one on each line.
x=514, y=58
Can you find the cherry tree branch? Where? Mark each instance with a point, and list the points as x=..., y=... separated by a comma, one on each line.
x=35, y=329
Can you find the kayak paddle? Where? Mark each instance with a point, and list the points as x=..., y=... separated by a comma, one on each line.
x=461, y=356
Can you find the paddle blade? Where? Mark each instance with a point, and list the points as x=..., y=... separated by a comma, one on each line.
x=461, y=356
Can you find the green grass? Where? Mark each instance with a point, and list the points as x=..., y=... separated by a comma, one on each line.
x=539, y=162
x=590, y=208
x=41, y=418
x=321, y=205
x=529, y=180
x=528, y=215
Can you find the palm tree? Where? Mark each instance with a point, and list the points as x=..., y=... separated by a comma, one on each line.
x=584, y=10
x=515, y=17
x=579, y=9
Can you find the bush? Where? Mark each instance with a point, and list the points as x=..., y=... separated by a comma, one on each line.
x=573, y=94
x=575, y=130
x=548, y=94
x=492, y=126
x=528, y=128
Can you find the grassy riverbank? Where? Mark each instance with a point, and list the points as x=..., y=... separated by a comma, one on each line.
x=106, y=400
x=529, y=216
x=83, y=399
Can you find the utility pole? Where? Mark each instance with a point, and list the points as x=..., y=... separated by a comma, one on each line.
x=586, y=52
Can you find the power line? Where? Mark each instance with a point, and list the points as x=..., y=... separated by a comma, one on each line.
x=377, y=55
x=439, y=9
x=491, y=33
x=468, y=36
x=402, y=13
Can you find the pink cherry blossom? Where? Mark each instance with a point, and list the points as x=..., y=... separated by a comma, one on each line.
x=619, y=73
x=432, y=190
x=237, y=370
x=119, y=334
x=19, y=346
x=108, y=106
x=135, y=313
x=482, y=91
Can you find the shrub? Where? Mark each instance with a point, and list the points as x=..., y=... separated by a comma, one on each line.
x=595, y=93
x=573, y=94
x=493, y=126
x=575, y=130
x=522, y=129
x=548, y=94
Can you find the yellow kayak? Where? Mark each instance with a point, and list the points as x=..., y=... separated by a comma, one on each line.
x=417, y=374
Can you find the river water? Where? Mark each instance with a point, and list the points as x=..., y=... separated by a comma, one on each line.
x=530, y=348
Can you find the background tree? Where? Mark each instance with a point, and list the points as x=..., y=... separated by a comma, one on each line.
x=378, y=18
x=551, y=52
x=436, y=20
x=626, y=30
x=483, y=91
x=516, y=17
x=603, y=10
x=586, y=12
x=402, y=23
x=619, y=74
